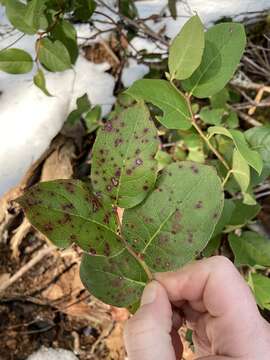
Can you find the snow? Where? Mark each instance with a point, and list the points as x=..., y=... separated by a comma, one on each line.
x=52, y=354
x=29, y=120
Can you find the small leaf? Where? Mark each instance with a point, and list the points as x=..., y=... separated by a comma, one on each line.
x=40, y=82
x=241, y=171
x=83, y=105
x=224, y=46
x=163, y=159
x=250, y=249
x=177, y=219
x=84, y=9
x=65, y=32
x=124, y=165
x=127, y=8
x=67, y=211
x=259, y=139
x=252, y=157
x=212, y=246
x=186, y=51
x=261, y=287
x=242, y=213
x=161, y=93
x=172, y=8
x=232, y=120
x=220, y=99
x=16, y=13
x=211, y=116
x=117, y=280
x=227, y=214
x=91, y=119
x=33, y=13
x=15, y=61
x=195, y=147
x=54, y=55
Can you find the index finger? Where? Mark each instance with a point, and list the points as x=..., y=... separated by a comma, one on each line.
x=214, y=283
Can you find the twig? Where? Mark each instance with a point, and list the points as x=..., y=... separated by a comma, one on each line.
x=13, y=43
x=199, y=130
x=245, y=117
x=145, y=29
x=40, y=255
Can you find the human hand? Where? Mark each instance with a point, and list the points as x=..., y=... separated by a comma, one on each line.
x=216, y=303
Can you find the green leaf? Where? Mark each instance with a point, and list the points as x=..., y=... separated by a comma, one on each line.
x=124, y=165
x=227, y=214
x=83, y=105
x=67, y=211
x=84, y=9
x=224, y=46
x=33, y=13
x=211, y=116
x=65, y=32
x=177, y=219
x=54, y=55
x=252, y=157
x=161, y=93
x=195, y=147
x=242, y=213
x=220, y=99
x=91, y=119
x=40, y=82
x=241, y=171
x=212, y=246
x=163, y=159
x=261, y=287
x=250, y=249
x=259, y=139
x=186, y=51
x=127, y=8
x=232, y=120
x=16, y=13
x=15, y=61
x=117, y=280
x=172, y=8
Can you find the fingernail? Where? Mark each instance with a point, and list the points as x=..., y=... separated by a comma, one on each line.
x=149, y=293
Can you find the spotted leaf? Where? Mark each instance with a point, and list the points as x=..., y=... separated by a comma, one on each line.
x=124, y=165
x=117, y=280
x=177, y=219
x=67, y=212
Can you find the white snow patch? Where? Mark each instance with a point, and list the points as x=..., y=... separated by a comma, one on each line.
x=52, y=354
x=133, y=72
x=29, y=120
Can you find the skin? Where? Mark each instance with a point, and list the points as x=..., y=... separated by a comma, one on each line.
x=214, y=300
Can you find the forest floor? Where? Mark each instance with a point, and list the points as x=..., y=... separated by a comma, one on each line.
x=42, y=300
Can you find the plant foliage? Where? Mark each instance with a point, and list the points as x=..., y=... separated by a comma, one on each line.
x=173, y=203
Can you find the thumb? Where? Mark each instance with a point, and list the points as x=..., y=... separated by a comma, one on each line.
x=215, y=358
x=147, y=334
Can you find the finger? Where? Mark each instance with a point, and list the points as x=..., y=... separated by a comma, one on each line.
x=215, y=358
x=213, y=285
x=147, y=334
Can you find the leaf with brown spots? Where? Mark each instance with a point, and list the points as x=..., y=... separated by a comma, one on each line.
x=177, y=219
x=124, y=165
x=67, y=211
x=117, y=280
